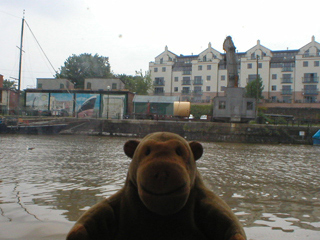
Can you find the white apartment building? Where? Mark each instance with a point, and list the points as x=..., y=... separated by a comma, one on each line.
x=289, y=76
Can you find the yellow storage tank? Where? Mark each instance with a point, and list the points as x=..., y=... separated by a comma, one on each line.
x=181, y=109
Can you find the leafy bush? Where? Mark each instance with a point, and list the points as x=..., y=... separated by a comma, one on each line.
x=198, y=110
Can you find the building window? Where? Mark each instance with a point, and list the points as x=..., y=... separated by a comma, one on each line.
x=274, y=88
x=222, y=104
x=260, y=65
x=249, y=66
x=274, y=76
x=286, y=89
x=161, y=60
x=286, y=78
x=197, y=90
x=222, y=88
x=185, y=90
x=114, y=86
x=186, y=81
x=253, y=77
x=200, y=67
x=223, y=77
x=316, y=63
x=176, y=89
x=155, y=69
x=158, y=90
x=310, y=78
x=305, y=63
x=208, y=67
x=249, y=105
x=176, y=79
x=61, y=86
x=208, y=88
x=159, y=81
x=88, y=85
x=39, y=85
x=273, y=98
x=286, y=99
x=163, y=69
x=310, y=90
x=208, y=78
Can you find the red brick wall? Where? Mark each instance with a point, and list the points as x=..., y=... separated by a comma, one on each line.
x=1, y=81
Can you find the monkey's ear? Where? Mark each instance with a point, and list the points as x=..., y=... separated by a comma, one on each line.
x=196, y=149
x=130, y=147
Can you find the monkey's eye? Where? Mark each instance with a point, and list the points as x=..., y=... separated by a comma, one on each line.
x=148, y=151
x=178, y=151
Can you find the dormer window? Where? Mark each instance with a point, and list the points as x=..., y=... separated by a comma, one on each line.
x=204, y=58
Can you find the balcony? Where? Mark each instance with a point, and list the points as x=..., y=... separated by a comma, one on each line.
x=197, y=92
x=310, y=91
x=159, y=83
x=158, y=91
x=186, y=82
x=186, y=92
x=198, y=82
x=310, y=79
x=286, y=91
x=286, y=80
x=186, y=73
x=287, y=69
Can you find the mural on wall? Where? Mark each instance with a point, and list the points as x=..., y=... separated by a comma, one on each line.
x=61, y=104
x=113, y=106
x=87, y=105
x=37, y=101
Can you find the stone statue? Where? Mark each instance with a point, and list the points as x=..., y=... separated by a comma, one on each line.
x=232, y=66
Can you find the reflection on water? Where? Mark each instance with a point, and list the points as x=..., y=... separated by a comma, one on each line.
x=276, y=187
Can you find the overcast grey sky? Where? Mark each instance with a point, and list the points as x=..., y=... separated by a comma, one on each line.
x=133, y=33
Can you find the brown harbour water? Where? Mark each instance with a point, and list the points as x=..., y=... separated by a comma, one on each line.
x=273, y=189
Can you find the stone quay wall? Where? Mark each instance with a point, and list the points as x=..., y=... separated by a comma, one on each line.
x=191, y=130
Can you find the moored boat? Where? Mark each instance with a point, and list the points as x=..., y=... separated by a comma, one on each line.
x=316, y=138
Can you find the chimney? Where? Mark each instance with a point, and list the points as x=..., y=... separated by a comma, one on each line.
x=1, y=81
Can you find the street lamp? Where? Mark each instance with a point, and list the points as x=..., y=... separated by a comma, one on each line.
x=108, y=88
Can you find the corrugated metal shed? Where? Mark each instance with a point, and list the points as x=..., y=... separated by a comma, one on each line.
x=155, y=99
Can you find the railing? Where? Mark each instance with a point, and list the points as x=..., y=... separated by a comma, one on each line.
x=286, y=80
x=186, y=82
x=198, y=82
x=287, y=69
x=310, y=79
x=185, y=92
x=186, y=73
x=159, y=83
x=197, y=92
x=310, y=92
x=286, y=91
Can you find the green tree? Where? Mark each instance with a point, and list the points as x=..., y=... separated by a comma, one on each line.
x=9, y=84
x=139, y=84
x=78, y=67
x=254, y=89
x=197, y=110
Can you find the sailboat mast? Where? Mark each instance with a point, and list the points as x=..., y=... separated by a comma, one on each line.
x=20, y=60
